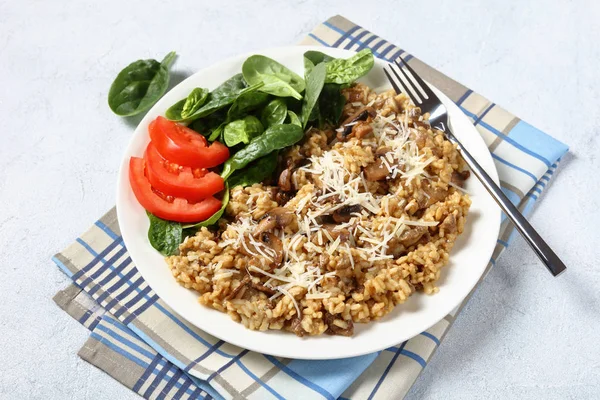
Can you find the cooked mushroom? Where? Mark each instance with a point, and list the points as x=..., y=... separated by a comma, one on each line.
x=262, y=288
x=296, y=327
x=459, y=178
x=274, y=243
x=344, y=213
x=376, y=171
x=242, y=285
x=382, y=151
x=449, y=224
x=279, y=216
x=362, y=129
x=285, y=180
x=269, y=240
x=430, y=195
x=361, y=115
x=412, y=236
x=343, y=234
x=283, y=197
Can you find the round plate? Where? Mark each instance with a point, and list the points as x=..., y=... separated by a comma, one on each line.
x=467, y=261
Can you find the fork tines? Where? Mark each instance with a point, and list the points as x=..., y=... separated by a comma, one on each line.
x=407, y=81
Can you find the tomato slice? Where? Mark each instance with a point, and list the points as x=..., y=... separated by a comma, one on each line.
x=184, y=146
x=179, y=210
x=177, y=181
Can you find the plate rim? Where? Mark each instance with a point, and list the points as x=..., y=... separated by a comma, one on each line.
x=122, y=174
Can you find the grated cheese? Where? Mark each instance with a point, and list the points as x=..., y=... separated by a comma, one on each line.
x=288, y=294
x=334, y=246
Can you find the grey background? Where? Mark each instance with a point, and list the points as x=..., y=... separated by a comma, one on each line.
x=523, y=335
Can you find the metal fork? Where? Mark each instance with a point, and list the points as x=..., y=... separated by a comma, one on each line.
x=411, y=84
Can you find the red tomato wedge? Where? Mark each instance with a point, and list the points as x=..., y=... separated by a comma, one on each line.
x=177, y=181
x=179, y=210
x=186, y=147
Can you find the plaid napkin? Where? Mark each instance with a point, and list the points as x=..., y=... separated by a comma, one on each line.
x=145, y=345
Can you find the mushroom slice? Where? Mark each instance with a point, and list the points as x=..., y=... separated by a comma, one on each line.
x=268, y=240
x=412, y=236
x=344, y=213
x=274, y=243
x=262, y=288
x=235, y=291
x=459, y=178
x=277, y=217
x=361, y=115
x=376, y=171
x=285, y=180
x=343, y=234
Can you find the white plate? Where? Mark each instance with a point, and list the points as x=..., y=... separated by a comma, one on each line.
x=467, y=262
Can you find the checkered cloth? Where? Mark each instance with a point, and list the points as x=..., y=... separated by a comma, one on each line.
x=142, y=343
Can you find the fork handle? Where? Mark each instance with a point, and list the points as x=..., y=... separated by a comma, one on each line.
x=541, y=248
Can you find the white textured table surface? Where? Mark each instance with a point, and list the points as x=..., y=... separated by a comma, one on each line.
x=523, y=335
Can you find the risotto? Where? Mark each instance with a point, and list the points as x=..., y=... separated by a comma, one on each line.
x=355, y=221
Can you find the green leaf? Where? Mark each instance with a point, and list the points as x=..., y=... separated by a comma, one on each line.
x=294, y=118
x=194, y=101
x=219, y=98
x=139, y=85
x=274, y=113
x=312, y=58
x=164, y=236
x=217, y=132
x=314, y=84
x=277, y=79
x=216, y=216
x=331, y=103
x=168, y=59
x=242, y=130
x=246, y=102
x=174, y=112
x=207, y=125
x=343, y=71
x=317, y=57
x=275, y=138
x=255, y=172
x=181, y=110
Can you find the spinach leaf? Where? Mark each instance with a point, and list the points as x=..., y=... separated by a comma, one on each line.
x=242, y=130
x=255, y=172
x=312, y=58
x=274, y=113
x=194, y=101
x=164, y=236
x=222, y=96
x=212, y=125
x=331, y=103
x=247, y=101
x=139, y=85
x=275, y=138
x=314, y=84
x=294, y=120
x=276, y=78
x=317, y=57
x=216, y=216
x=343, y=71
x=207, y=125
x=217, y=132
x=181, y=110
x=174, y=112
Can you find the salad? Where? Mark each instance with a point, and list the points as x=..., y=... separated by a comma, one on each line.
x=212, y=141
